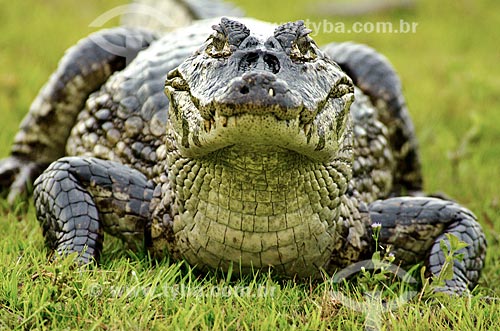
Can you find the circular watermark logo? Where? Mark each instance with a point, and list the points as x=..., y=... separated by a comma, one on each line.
x=136, y=9
x=374, y=304
x=134, y=40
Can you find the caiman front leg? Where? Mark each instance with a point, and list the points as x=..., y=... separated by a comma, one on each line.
x=415, y=227
x=45, y=129
x=76, y=199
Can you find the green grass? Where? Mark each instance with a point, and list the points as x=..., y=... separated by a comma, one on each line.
x=451, y=78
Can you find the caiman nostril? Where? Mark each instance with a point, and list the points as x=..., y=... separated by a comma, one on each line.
x=272, y=63
x=244, y=90
x=260, y=60
x=249, y=61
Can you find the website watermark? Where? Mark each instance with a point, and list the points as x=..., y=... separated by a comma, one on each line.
x=184, y=291
x=134, y=41
x=167, y=21
x=325, y=27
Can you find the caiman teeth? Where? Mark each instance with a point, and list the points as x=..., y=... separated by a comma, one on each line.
x=307, y=129
x=207, y=112
x=208, y=125
x=224, y=121
x=271, y=92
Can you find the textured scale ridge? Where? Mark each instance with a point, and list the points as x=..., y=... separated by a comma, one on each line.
x=376, y=77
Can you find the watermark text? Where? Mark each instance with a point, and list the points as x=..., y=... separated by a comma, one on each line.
x=326, y=27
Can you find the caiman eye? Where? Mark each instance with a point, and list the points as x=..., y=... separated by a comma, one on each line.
x=303, y=49
x=219, y=44
x=227, y=37
x=295, y=40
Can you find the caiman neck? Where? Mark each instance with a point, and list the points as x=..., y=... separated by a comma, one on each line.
x=260, y=181
x=260, y=207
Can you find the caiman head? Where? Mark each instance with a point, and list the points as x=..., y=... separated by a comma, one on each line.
x=260, y=88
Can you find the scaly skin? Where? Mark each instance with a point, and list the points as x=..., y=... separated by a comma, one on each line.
x=45, y=130
x=265, y=154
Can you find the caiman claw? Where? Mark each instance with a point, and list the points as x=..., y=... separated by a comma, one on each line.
x=17, y=175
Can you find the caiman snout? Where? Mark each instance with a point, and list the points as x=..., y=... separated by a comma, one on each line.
x=261, y=92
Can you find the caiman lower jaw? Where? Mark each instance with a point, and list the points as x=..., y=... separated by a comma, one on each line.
x=220, y=116
x=221, y=131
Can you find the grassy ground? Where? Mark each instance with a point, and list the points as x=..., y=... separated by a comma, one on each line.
x=451, y=76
